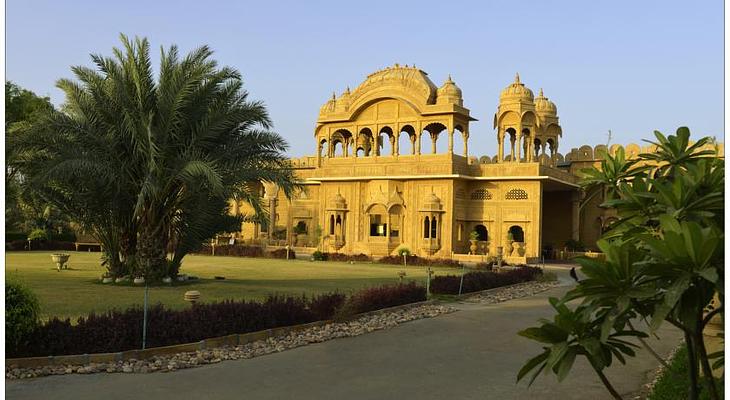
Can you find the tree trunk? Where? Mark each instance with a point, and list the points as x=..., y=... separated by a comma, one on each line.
x=151, y=253
x=692, y=360
x=705, y=363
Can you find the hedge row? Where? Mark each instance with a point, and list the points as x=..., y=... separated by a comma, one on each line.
x=483, y=280
x=321, y=256
x=17, y=245
x=114, y=330
x=237, y=250
x=414, y=260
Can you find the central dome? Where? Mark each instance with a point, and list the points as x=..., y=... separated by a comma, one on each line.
x=516, y=91
x=545, y=106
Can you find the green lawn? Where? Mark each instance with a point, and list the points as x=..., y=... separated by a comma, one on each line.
x=78, y=291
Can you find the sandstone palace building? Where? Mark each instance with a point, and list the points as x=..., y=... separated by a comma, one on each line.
x=377, y=182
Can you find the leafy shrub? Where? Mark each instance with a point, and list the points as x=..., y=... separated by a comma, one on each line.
x=324, y=306
x=376, y=298
x=233, y=250
x=282, y=253
x=21, y=314
x=476, y=281
x=346, y=257
x=485, y=266
x=403, y=251
x=16, y=245
x=38, y=234
x=13, y=236
x=319, y=256
x=575, y=245
x=413, y=260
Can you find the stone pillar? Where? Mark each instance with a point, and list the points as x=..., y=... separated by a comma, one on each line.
x=396, y=145
x=451, y=141
x=465, y=135
x=512, y=147
x=433, y=143
x=575, y=216
x=418, y=144
x=519, y=147
x=500, y=150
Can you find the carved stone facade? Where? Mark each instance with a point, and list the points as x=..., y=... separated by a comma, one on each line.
x=377, y=182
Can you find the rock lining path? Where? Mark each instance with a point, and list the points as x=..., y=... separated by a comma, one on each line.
x=471, y=354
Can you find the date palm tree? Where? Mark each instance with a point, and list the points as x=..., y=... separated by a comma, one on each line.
x=162, y=154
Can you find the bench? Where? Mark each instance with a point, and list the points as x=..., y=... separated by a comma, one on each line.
x=90, y=244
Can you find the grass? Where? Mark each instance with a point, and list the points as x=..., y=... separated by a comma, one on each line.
x=78, y=291
x=674, y=383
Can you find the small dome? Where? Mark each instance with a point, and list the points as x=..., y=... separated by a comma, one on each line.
x=431, y=202
x=330, y=105
x=343, y=103
x=516, y=91
x=337, y=202
x=545, y=106
x=449, y=93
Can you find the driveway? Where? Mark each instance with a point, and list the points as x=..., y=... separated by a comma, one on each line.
x=474, y=353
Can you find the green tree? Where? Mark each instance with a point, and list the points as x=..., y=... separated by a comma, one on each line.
x=664, y=262
x=21, y=208
x=149, y=164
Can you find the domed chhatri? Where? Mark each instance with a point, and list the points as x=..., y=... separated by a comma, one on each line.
x=449, y=93
x=545, y=106
x=516, y=91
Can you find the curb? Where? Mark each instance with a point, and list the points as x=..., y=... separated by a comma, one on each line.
x=211, y=343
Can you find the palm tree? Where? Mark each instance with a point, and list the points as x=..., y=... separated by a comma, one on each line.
x=180, y=146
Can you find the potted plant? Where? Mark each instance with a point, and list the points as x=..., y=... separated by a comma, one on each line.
x=404, y=252
x=139, y=280
x=473, y=238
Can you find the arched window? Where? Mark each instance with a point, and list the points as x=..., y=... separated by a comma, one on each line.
x=481, y=194
x=332, y=224
x=434, y=228
x=301, y=228
x=426, y=227
x=518, y=235
x=338, y=225
x=516, y=194
x=482, y=233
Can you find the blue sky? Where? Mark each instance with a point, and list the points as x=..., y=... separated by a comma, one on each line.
x=628, y=66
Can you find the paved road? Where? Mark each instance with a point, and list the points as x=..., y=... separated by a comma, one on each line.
x=471, y=354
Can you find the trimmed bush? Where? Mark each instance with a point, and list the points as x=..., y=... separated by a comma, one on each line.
x=21, y=314
x=319, y=256
x=324, y=306
x=232, y=250
x=414, y=260
x=116, y=330
x=380, y=297
x=346, y=257
x=476, y=281
x=281, y=253
x=13, y=236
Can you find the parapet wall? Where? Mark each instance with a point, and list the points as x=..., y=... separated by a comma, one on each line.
x=587, y=153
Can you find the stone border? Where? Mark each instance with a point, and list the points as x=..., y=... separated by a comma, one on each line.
x=211, y=343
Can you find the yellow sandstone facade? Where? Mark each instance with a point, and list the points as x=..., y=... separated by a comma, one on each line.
x=378, y=180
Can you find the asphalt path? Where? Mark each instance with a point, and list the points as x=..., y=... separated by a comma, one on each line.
x=474, y=353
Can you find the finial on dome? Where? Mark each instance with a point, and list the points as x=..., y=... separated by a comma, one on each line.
x=334, y=95
x=517, y=77
x=448, y=80
x=347, y=90
x=541, y=95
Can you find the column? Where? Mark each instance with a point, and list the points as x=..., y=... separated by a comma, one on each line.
x=396, y=150
x=500, y=150
x=465, y=135
x=433, y=143
x=519, y=147
x=575, y=216
x=451, y=141
x=418, y=143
